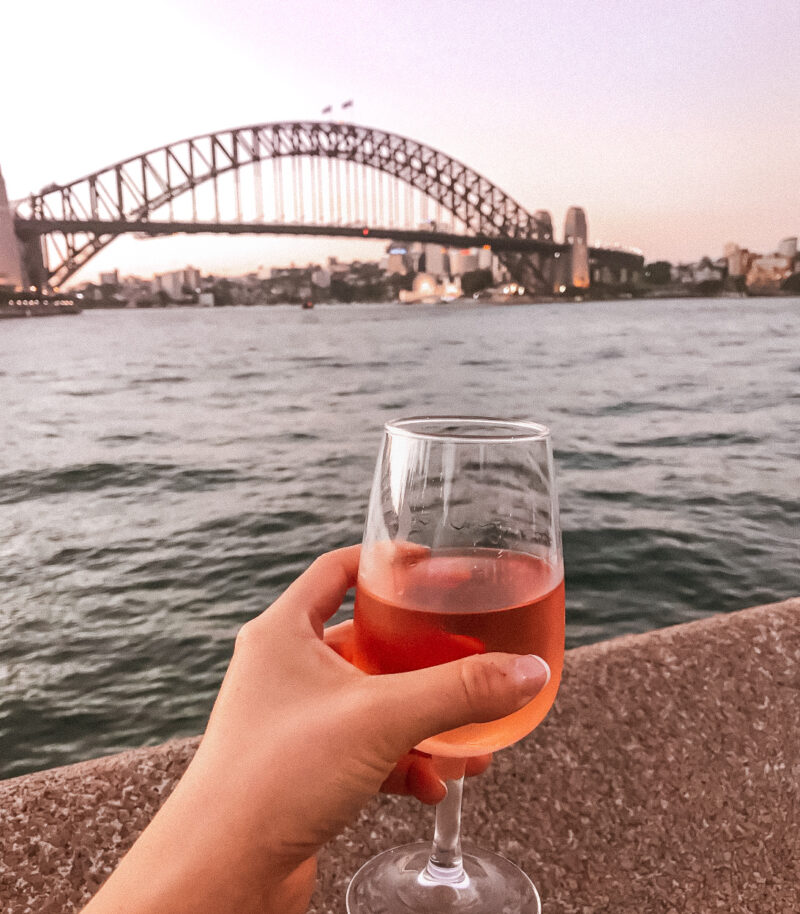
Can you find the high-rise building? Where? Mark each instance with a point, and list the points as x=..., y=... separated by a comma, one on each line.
x=464, y=261
x=768, y=273
x=739, y=260
x=435, y=260
x=191, y=277
x=432, y=257
x=399, y=259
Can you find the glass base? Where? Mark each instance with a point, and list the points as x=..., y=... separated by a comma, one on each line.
x=398, y=881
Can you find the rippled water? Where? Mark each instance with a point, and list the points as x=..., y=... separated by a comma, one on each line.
x=164, y=474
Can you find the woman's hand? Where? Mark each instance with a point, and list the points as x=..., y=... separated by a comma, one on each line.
x=415, y=774
x=298, y=741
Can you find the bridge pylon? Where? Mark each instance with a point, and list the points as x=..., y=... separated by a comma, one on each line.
x=12, y=274
x=576, y=236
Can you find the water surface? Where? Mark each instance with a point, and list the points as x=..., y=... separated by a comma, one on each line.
x=164, y=474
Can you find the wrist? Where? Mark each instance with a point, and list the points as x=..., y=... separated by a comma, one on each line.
x=198, y=856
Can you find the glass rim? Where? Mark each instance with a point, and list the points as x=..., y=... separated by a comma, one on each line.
x=505, y=430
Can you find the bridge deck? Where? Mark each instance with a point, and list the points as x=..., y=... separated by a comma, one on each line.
x=27, y=228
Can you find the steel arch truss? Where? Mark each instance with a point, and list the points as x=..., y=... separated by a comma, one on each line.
x=132, y=190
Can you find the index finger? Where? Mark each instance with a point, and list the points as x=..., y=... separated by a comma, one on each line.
x=319, y=591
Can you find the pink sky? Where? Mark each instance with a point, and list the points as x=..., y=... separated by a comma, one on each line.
x=675, y=125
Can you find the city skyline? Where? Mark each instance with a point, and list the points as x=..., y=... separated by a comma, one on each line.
x=676, y=130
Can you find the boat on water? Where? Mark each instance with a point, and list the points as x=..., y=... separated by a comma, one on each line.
x=35, y=304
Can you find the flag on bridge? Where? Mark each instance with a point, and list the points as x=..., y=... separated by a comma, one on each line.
x=348, y=103
x=327, y=109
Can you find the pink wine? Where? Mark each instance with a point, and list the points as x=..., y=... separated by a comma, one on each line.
x=416, y=609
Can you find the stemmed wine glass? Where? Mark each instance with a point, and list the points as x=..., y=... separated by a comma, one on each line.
x=461, y=555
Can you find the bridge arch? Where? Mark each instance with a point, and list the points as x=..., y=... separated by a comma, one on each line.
x=136, y=188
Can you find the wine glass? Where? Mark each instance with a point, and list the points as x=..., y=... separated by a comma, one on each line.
x=461, y=555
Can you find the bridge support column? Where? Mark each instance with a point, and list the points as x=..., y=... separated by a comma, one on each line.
x=575, y=234
x=12, y=274
x=532, y=271
x=34, y=269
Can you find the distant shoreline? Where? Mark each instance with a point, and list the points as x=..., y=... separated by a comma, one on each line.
x=656, y=295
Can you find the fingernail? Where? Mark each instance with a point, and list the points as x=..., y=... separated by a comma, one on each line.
x=527, y=672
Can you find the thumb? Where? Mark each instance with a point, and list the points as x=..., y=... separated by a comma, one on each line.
x=475, y=689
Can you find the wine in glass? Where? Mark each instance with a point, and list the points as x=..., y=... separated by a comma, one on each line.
x=461, y=555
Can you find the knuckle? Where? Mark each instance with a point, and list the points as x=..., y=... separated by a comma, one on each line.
x=245, y=637
x=323, y=565
x=329, y=569
x=481, y=683
x=320, y=562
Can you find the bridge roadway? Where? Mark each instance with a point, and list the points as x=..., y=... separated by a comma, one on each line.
x=30, y=228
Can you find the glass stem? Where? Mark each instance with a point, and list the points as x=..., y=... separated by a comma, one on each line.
x=445, y=865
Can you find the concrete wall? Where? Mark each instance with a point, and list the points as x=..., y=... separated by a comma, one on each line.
x=666, y=779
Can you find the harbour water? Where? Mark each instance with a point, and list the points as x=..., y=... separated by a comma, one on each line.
x=164, y=474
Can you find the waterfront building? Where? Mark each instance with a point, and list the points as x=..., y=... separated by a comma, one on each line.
x=682, y=273
x=181, y=284
x=336, y=268
x=134, y=289
x=708, y=274
x=603, y=276
x=435, y=260
x=170, y=283
x=321, y=278
x=486, y=259
x=432, y=257
x=438, y=261
x=464, y=261
x=768, y=273
x=399, y=260
x=738, y=260
x=764, y=273
x=704, y=275
x=191, y=278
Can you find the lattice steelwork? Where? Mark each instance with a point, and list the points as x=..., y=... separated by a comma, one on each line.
x=293, y=174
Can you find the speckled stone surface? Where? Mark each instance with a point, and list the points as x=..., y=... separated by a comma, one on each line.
x=666, y=779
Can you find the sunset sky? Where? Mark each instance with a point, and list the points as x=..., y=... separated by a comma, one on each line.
x=676, y=125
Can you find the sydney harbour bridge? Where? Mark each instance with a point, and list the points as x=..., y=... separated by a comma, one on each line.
x=298, y=178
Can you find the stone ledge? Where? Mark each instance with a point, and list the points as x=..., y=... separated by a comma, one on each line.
x=666, y=779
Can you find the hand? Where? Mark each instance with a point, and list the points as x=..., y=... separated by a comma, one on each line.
x=298, y=741
x=416, y=773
